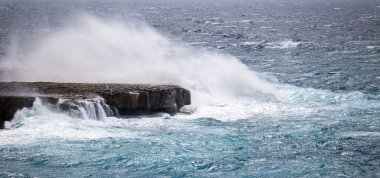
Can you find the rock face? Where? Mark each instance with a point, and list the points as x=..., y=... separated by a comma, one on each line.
x=125, y=98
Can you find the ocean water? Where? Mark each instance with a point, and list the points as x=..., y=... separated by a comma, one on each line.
x=279, y=88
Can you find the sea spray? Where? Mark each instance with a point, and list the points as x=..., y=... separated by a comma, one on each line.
x=315, y=129
x=98, y=50
x=89, y=108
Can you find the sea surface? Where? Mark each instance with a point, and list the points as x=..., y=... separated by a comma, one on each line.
x=280, y=88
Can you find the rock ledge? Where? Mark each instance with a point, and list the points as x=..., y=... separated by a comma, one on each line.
x=126, y=98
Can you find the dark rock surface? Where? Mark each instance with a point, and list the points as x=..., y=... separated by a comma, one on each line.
x=127, y=98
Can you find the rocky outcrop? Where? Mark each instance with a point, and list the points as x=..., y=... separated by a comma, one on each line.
x=10, y=104
x=125, y=98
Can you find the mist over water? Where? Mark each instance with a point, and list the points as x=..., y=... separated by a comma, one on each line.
x=323, y=122
x=94, y=50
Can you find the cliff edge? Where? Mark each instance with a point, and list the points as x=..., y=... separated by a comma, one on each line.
x=123, y=99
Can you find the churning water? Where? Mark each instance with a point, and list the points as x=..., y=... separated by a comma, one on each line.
x=312, y=110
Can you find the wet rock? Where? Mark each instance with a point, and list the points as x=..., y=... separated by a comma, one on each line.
x=10, y=104
x=125, y=98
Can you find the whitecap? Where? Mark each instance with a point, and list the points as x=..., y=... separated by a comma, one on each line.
x=372, y=47
x=361, y=134
x=246, y=21
x=283, y=44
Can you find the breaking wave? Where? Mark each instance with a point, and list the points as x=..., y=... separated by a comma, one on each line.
x=109, y=51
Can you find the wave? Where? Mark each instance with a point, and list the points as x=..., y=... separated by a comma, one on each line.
x=294, y=103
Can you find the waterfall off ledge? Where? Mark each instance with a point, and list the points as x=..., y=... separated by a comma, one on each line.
x=120, y=99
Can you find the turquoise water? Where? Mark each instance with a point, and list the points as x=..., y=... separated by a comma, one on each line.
x=279, y=89
x=311, y=133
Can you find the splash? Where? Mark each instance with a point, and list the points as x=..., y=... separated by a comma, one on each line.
x=90, y=109
x=110, y=51
x=84, y=120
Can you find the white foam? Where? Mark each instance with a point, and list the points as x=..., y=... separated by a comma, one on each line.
x=246, y=21
x=372, y=47
x=283, y=44
x=361, y=134
x=249, y=43
x=38, y=122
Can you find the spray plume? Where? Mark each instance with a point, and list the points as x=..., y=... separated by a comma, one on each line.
x=94, y=50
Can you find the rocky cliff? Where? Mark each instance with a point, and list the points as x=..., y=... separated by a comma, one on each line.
x=124, y=99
